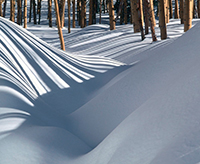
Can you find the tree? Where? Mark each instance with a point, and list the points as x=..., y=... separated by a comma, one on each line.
x=73, y=22
x=162, y=20
x=135, y=16
x=4, y=8
x=125, y=12
x=50, y=12
x=188, y=14
x=170, y=9
x=25, y=13
x=1, y=13
x=19, y=12
x=59, y=25
x=176, y=13
x=69, y=20
x=111, y=15
x=198, y=8
x=181, y=11
x=62, y=13
x=12, y=10
x=167, y=11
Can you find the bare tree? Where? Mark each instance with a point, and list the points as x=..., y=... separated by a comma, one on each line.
x=176, y=13
x=188, y=10
x=162, y=23
x=181, y=11
x=111, y=15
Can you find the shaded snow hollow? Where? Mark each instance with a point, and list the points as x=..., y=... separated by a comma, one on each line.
x=56, y=107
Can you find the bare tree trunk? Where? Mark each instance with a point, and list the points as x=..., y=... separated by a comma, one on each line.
x=111, y=15
x=119, y=10
x=62, y=13
x=91, y=12
x=176, y=13
x=135, y=17
x=39, y=10
x=30, y=10
x=1, y=13
x=194, y=9
x=181, y=11
x=198, y=8
x=162, y=23
x=146, y=17
x=19, y=12
x=12, y=10
x=100, y=11
x=170, y=9
x=34, y=12
x=25, y=13
x=167, y=11
x=4, y=8
x=152, y=13
x=50, y=12
x=125, y=12
x=69, y=19
x=83, y=10
x=188, y=9
x=59, y=26
x=149, y=15
x=73, y=21
x=141, y=12
x=104, y=6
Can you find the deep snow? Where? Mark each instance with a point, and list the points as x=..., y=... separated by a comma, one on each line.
x=81, y=107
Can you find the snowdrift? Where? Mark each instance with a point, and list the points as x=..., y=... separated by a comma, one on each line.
x=56, y=107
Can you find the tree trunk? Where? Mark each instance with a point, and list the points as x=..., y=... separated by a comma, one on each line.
x=194, y=9
x=25, y=13
x=12, y=10
x=19, y=12
x=91, y=10
x=188, y=12
x=69, y=15
x=100, y=10
x=39, y=10
x=181, y=11
x=62, y=13
x=73, y=21
x=111, y=15
x=141, y=12
x=125, y=12
x=146, y=17
x=176, y=13
x=34, y=12
x=198, y=8
x=119, y=10
x=59, y=26
x=152, y=13
x=135, y=17
x=83, y=13
x=170, y=9
x=162, y=23
x=50, y=12
x=167, y=11
x=30, y=10
x=4, y=8
x=1, y=13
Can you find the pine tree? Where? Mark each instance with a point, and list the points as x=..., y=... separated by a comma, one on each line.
x=176, y=13
x=69, y=19
x=135, y=16
x=73, y=21
x=181, y=11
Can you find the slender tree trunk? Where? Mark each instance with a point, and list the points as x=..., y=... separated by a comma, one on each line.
x=170, y=9
x=30, y=10
x=1, y=13
x=59, y=25
x=125, y=12
x=19, y=12
x=83, y=13
x=12, y=10
x=50, y=12
x=91, y=10
x=34, y=12
x=152, y=13
x=100, y=11
x=140, y=20
x=135, y=17
x=104, y=6
x=69, y=19
x=181, y=11
x=4, y=8
x=158, y=4
x=39, y=10
x=62, y=13
x=25, y=13
x=194, y=9
x=198, y=8
x=188, y=12
x=167, y=11
x=141, y=12
x=73, y=21
x=176, y=13
x=162, y=23
x=119, y=10
x=94, y=12
x=146, y=17
x=111, y=15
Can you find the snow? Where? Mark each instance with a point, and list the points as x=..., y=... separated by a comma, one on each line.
x=109, y=99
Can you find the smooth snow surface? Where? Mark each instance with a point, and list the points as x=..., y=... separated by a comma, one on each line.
x=81, y=107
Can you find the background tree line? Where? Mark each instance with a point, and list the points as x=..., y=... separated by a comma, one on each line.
x=141, y=13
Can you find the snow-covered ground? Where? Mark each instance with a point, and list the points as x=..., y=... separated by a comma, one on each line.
x=109, y=99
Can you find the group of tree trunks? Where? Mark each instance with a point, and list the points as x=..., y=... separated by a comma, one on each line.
x=142, y=12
